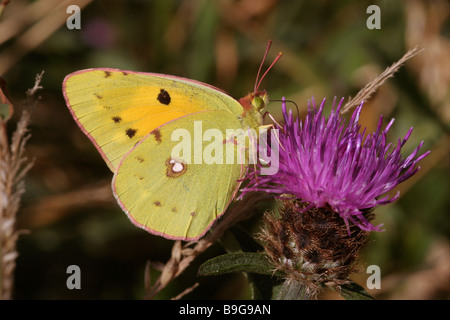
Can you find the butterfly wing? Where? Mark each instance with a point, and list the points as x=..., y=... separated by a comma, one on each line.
x=173, y=184
x=130, y=118
x=117, y=108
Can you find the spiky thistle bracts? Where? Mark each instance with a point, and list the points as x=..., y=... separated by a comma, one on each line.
x=312, y=247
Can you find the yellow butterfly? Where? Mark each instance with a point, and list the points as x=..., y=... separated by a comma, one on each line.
x=136, y=120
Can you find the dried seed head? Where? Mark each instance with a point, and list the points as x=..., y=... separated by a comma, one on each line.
x=312, y=245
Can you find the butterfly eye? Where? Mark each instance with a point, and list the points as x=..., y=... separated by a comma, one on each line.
x=258, y=103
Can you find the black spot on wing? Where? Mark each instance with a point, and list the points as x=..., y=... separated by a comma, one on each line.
x=107, y=74
x=157, y=134
x=130, y=132
x=164, y=97
x=157, y=203
x=117, y=119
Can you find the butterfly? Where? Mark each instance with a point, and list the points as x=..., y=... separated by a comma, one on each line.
x=136, y=120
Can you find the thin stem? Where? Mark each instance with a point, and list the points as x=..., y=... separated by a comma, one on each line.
x=294, y=290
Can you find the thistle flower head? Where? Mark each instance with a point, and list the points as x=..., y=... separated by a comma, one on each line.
x=331, y=175
x=326, y=163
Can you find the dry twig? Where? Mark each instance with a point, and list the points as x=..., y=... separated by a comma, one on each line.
x=13, y=168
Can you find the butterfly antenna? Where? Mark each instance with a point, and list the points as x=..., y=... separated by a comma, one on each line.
x=270, y=67
x=269, y=44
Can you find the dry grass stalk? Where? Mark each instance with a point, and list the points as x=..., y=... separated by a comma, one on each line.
x=366, y=92
x=183, y=255
x=13, y=168
x=185, y=292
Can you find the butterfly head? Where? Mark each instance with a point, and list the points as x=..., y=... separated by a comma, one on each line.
x=257, y=100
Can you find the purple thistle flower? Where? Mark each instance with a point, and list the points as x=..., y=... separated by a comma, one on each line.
x=323, y=162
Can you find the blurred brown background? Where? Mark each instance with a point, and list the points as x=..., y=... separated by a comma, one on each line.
x=328, y=51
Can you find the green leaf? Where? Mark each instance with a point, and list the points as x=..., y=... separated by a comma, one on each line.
x=353, y=291
x=256, y=265
x=237, y=262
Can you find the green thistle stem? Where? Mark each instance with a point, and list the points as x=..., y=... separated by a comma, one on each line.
x=293, y=290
